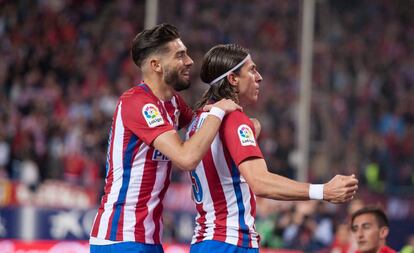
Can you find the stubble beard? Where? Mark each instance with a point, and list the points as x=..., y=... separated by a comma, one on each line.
x=173, y=79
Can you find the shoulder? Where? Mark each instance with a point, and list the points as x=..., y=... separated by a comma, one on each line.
x=236, y=117
x=387, y=249
x=237, y=122
x=137, y=95
x=136, y=91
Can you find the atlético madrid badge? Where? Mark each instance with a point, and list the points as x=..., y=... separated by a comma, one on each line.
x=152, y=115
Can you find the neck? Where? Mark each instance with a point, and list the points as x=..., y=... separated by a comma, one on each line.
x=375, y=250
x=160, y=89
x=243, y=103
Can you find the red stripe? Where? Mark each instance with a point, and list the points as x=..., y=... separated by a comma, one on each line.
x=229, y=161
x=147, y=184
x=252, y=211
x=158, y=209
x=119, y=233
x=218, y=197
x=127, y=136
x=169, y=107
x=202, y=219
x=109, y=179
x=95, y=227
x=202, y=222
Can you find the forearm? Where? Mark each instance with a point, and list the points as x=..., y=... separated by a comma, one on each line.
x=273, y=186
x=194, y=149
x=187, y=154
x=282, y=188
x=265, y=184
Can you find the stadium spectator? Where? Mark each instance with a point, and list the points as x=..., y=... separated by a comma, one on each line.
x=369, y=227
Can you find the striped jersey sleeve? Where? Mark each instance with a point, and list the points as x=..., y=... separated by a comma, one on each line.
x=238, y=135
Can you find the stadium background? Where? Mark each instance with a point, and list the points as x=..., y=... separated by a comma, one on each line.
x=64, y=63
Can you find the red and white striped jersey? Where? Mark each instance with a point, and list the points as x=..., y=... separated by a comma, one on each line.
x=137, y=175
x=225, y=203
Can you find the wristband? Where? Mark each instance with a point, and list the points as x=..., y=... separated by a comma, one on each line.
x=219, y=113
x=316, y=191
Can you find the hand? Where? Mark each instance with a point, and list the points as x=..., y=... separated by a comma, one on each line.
x=340, y=189
x=227, y=105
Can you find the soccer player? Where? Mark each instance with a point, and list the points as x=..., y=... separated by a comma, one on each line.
x=369, y=226
x=233, y=171
x=143, y=142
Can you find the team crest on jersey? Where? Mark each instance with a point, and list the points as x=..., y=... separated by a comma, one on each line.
x=246, y=135
x=152, y=115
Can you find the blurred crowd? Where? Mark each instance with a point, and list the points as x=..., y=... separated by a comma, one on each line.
x=63, y=64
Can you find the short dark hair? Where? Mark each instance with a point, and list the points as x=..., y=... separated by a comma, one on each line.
x=217, y=61
x=379, y=214
x=151, y=41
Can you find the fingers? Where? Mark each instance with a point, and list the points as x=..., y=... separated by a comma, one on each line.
x=343, y=188
x=228, y=105
x=207, y=108
x=351, y=188
x=351, y=182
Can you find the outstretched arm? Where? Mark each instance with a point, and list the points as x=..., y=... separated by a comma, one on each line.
x=187, y=154
x=268, y=185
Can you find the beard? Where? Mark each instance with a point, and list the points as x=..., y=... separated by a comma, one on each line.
x=173, y=79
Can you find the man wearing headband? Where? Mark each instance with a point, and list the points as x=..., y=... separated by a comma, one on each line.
x=143, y=142
x=233, y=171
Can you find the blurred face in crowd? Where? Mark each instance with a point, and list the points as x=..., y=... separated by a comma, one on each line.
x=248, y=81
x=369, y=236
x=176, y=66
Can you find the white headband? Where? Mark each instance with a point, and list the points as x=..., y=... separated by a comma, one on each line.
x=231, y=70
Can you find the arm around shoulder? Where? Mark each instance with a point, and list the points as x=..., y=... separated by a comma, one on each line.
x=187, y=154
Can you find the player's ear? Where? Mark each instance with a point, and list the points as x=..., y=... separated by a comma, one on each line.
x=233, y=79
x=155, y=64
x=384, y=232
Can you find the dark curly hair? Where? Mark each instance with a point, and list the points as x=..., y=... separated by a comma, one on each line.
x=151, y=41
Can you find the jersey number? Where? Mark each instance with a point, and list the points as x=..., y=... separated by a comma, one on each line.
x=197, y=189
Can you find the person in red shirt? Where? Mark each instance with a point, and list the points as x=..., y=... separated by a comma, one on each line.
x=369, y=226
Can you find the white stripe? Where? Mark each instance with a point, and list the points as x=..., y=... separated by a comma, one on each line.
x=134, y=187
x=248, y=218
x=117, y=147
x=232, y=229
x=154, y=200
x=176, y=113
x=99, y=241
x=174, y=103
x=207, y=204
